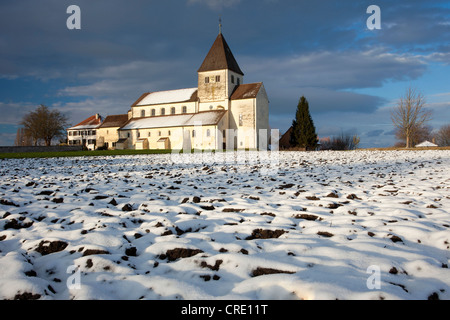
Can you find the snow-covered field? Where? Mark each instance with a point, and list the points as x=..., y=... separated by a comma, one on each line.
x=326, y=225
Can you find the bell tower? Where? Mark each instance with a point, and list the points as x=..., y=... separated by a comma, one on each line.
x=219, y=73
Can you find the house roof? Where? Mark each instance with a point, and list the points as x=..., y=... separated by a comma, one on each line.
x=285, y=140
x=114, y=121
x=220, y=57
x=164, y=97
x=204, y=118
x=246, y=91
x=90, y=123
x=426, y=144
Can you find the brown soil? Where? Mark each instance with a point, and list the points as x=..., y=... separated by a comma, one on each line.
x=265, y=234
x=47, y=247
x=262, y=271
x=177, y=253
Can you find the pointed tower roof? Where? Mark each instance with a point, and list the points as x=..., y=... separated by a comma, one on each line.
x=220, y=57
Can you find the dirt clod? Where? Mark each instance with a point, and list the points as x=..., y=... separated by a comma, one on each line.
x=262, y=271
x=48, y=247
x=178, y=253
x=265, y=234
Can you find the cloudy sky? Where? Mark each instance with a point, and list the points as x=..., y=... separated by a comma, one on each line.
x=351, y=76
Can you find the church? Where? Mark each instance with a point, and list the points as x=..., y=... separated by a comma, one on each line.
x=222, y=112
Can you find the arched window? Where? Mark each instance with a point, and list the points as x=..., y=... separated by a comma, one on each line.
x=142, y=113
x=208, y=133
x=153, y=112
x=172, y=110
x=184, y=109
x=163, y=111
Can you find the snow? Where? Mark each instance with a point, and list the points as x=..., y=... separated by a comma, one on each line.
x=84, y=127
x=179, y=120
x=170, y=96
x=426, y=144
x=319, y=228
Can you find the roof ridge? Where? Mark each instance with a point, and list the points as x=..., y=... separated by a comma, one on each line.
x=88, y=120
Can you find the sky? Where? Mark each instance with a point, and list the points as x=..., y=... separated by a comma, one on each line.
x=352, y=76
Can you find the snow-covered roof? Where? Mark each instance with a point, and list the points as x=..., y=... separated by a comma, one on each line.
x=171, y=96
x=90, y=123
x=426, y=144
x=179, y=120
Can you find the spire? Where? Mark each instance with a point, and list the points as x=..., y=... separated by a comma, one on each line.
x=220, y=57
x=220, y=25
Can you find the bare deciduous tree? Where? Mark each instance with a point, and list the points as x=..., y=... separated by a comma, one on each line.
x=410, y=114
x=419, y=135
x=341, y=142
x=22, y=138
x=44, y=124
x=443, y=136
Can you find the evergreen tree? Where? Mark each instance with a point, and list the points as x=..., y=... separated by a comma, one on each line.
x=303, y=131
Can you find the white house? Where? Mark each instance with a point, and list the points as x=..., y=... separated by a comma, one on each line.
x=85, y=133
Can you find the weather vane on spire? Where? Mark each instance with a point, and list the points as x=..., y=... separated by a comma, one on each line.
x=220, y=25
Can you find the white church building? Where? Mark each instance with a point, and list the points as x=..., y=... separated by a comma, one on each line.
x=222, y=112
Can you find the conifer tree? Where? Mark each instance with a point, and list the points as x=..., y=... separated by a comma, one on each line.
x=303, y=131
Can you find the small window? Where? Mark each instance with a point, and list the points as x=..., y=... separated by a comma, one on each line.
x=149, y=134
x=93, y=132
x=107, y=131
x=238, y=81
x=153, y=112
x=208, y=133
x=206, y=79
x=217, y=78
x=193, y=133
x=172, y=110
x=142, y=113
x=163, y=111
x=241, y=120
x=168, y=133
x=128, y=134
x=211, y=107
x=184, y=109
x=138, y=134
x=159, y=133
x=232, y=78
